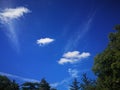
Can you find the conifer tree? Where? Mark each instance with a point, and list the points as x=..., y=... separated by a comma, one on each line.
x=75, y=85
x=44, y=85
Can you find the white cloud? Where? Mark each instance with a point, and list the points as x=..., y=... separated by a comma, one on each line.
x=73, y=57
x=84, y=55
x=44, y=41
x=54, y=84
x=73, y=54
x=18, y=77
x=7, y=16
x=73, y=72
x=65, y=60
x=12, y=13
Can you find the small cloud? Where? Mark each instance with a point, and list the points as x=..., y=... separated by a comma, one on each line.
x=65, y=60
x=12, y=13
x=73, y=57
x=74, y=54
x=54, y=84
x=84, y=55
x=73, y=72
x=44, y=41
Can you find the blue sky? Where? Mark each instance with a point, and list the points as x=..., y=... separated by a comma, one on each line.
x=55, y=39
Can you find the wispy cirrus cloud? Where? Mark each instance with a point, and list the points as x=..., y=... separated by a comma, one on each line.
x=73, y=57
x=44, y=41
x=73, y=72
x=82, y=30
x=61, y=83
x=18, y=77
x=7, y=17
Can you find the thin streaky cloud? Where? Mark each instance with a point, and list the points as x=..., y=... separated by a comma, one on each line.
x=12, y=35
x=7, y=17
x=73, y=72
x=82, y=31
x=61, y=83
x=18, y=77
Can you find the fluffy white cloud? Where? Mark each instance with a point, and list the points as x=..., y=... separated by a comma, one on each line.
x=12, y=13
x=84, y=55
x=44, y=41
x=66, y=60
x=73, y=54
x=73, y=57
x=73, y=72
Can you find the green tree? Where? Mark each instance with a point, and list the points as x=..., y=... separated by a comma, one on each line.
x=107, y=64
x=44, y=85
x=53, y=89
x=30, y=86
x=14, y=85
x=75, y=85
x=87, y=84
x=7, y=84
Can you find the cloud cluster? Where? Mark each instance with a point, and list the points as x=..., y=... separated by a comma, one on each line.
x=73, y=57
x=12, y=13
x=44, y=41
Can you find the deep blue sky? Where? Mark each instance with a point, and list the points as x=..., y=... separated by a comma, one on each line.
x=75, y=25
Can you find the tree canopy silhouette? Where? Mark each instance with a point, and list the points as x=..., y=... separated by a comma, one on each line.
x=7, y=84
x=75, y=85
x=107, y=63
x=44, y=85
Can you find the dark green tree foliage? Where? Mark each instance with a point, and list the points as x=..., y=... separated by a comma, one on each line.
x=87, y=84
x=44, y=85
x=30, y=86
x=75, y=85
x=107, y=64
x=53, y=89
x=14, y=85
x=6, y=84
